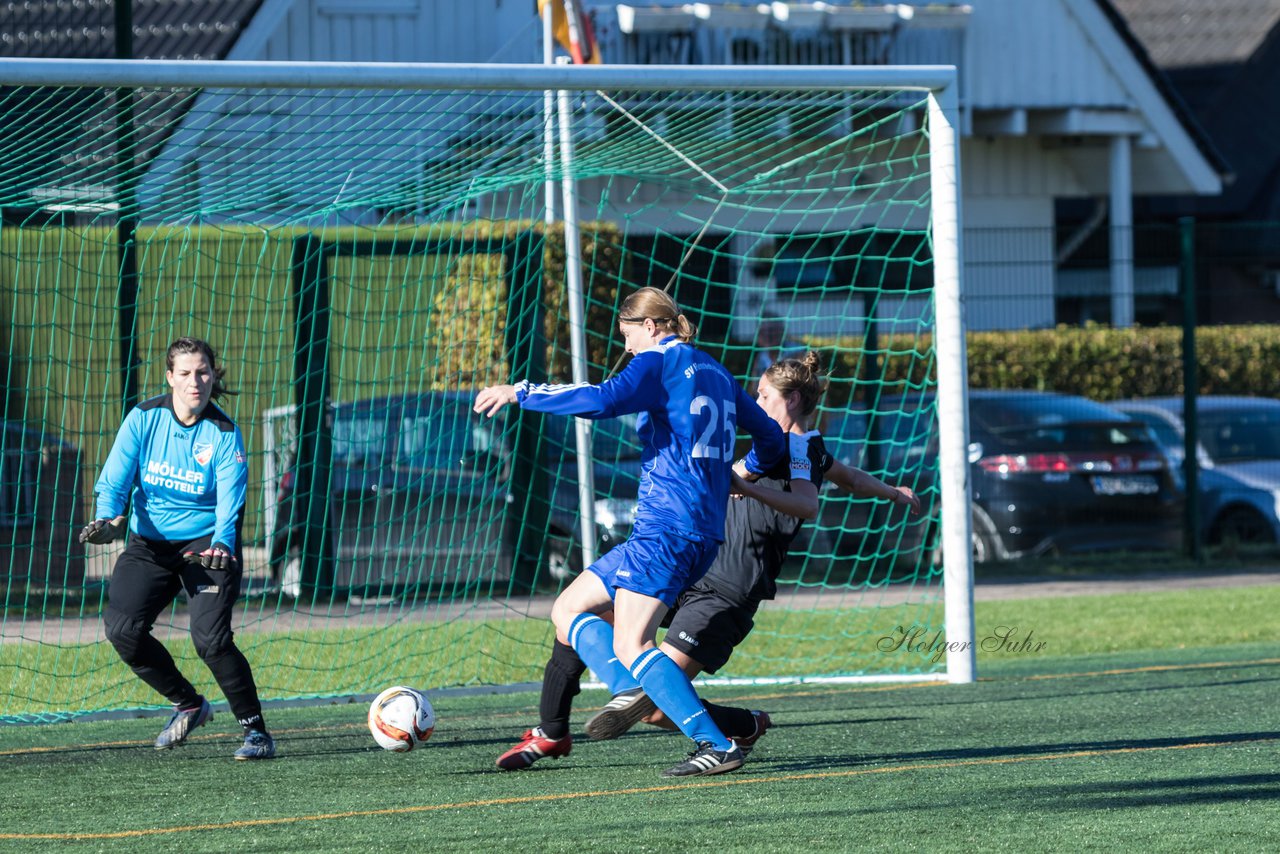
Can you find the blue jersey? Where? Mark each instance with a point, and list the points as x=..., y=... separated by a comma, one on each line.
x=186, y=482
x=690, y=409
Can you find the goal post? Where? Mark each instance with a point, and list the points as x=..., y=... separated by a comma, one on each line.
x=953, y=386
x=367, y=244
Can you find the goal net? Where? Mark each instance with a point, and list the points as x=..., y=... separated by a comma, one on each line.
x=365, y=247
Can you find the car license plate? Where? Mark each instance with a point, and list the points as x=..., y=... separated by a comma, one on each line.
x=1119, y=485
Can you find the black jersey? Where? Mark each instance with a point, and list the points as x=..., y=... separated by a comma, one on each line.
x=756, y=536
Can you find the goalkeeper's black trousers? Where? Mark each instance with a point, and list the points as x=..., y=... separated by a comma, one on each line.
x=147, y=577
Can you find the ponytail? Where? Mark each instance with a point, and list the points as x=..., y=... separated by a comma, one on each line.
x=658, y=306
x=802, y=375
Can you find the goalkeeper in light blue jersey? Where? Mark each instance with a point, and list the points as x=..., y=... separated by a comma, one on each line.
x=181, y=461
x=690, y=409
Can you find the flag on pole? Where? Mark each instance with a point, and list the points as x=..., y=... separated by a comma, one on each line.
x=571, y=27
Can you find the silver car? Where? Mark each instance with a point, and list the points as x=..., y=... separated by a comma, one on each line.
x=1239, y=459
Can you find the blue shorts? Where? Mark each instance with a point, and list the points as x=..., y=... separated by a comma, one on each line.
x=660, y=565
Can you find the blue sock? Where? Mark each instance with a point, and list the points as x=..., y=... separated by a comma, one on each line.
x=592, y=638
x=668, y=687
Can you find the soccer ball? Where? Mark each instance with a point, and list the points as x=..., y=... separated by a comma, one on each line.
x=401, y=718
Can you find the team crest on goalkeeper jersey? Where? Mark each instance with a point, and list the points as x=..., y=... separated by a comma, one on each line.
x=203, y=452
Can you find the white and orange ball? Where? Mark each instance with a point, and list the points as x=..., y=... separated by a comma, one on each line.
x=401, y=718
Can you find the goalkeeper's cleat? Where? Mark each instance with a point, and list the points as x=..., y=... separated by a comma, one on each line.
x=175, y=732
x=707, y=760
x=620, y=714
x=763, y=722
x=534, y=745
x=257, y=745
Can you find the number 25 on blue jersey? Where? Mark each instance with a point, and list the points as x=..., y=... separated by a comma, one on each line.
x=716, y=440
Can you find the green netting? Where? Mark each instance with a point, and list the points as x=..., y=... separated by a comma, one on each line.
x=363, y=260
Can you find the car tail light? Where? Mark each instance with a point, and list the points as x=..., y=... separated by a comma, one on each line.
x=1076, y=461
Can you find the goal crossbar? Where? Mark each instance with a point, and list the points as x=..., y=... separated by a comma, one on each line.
x=409, y=75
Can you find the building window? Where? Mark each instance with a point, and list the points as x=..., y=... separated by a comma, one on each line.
x=865, y=259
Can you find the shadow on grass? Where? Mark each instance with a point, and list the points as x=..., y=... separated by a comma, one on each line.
x=1179, y=790
x=997, y=752
x=1131, y=564
x=1102, y=692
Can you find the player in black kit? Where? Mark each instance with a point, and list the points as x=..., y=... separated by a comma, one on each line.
x=716, y=613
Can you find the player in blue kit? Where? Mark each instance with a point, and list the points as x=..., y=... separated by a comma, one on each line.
x=717, y=613
x=182, y=462
x=690, y=409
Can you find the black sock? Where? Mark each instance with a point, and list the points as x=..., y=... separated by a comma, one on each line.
x=733, y=722
x=253, y=722
x=559, y=687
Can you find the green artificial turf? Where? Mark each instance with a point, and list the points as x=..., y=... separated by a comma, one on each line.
x=1168, y=743
x=1157, y=750
x=294, y=662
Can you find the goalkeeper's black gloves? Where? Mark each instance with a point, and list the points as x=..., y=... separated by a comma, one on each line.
x=102, y=531
x=218, y=556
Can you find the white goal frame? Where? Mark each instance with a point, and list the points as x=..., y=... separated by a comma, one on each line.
x=938, y=82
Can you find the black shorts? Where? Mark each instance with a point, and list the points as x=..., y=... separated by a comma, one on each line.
x=706, y=627
x=149, y=574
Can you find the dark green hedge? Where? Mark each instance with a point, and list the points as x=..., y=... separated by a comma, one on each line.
x=602, y=270
x=1096, y=362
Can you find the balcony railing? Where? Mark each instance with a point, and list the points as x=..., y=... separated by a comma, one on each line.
x=781, y=34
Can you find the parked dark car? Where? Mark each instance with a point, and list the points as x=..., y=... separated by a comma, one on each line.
x=880, y=536
x=420, y=492
x=41, y=509
x=615, y=452
x=1238, y=456
x=419, y=486
x=1048, y=472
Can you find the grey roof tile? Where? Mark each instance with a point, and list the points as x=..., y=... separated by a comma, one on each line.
x=85, y=29
x=70, y=133
x=1188, y=33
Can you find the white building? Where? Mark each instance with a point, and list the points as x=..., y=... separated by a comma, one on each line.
x=1058, y=102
